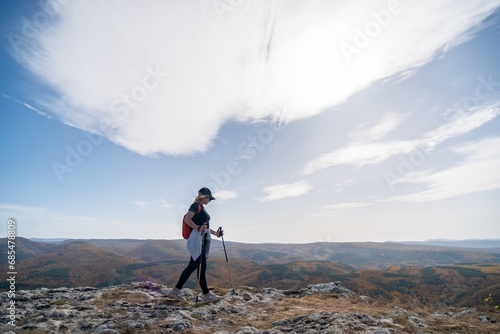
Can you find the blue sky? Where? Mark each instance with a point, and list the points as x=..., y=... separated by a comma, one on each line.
x=310, y=121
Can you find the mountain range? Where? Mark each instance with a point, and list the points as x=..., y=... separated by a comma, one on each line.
x=411, y=272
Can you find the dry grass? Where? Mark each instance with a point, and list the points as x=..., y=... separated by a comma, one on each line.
x=262, y=316
x=292, y=307
x=132, y=297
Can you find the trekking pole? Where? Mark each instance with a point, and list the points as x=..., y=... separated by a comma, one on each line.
x=199, y=266
x=227, y=261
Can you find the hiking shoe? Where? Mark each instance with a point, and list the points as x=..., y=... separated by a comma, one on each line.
x=177, y=295
x=210, y=298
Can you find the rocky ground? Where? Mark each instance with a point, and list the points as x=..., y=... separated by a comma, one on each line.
x=145, y=308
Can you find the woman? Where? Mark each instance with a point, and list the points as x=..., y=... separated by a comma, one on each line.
x=199, y=220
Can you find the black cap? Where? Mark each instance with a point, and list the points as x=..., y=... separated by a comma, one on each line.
x=206, y=192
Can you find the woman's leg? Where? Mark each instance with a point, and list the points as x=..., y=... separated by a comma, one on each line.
x=202, y=276
x=192, y=266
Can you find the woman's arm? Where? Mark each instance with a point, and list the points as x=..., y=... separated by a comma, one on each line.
x=216, y=233
x=189, y=220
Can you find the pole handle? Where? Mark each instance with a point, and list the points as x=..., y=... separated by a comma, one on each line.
x=223, y=244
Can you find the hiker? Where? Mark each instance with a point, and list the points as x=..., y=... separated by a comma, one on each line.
x=199, y=220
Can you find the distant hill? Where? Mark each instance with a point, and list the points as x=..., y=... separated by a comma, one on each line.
x=459, y=276
x=360, y=255
x=492, y=244
x=145, y=250
x=66, y=264
x=47, y=240
x=25, y=249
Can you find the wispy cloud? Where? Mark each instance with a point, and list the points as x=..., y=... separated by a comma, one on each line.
x=165, y=204
x=224, y=195
x=170, y=63
x=340, y=208
x=26, y=105
x=464, y=123
x=13, y=209
x=280, y=191
x=141, y=204
x=41, y=222
x=343, y=186
x=359, y=153
x=477, y=172
x=348, y=205
x=389, y=122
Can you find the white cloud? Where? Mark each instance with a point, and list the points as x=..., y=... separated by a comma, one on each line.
x=478, y=172
x=14, y=209
x=26, y=105
x=224, y=195
x=281, y=191
x=343, y=186
x=462, y=124
x=40, y=222
x=389, y=122
x=141, y=204
x=165, y=204
x=359, y=153
x=340, y=208
x=160, y=77
x=348, y=205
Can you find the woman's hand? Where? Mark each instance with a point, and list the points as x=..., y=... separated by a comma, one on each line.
x=202, y=228
x=217, y=233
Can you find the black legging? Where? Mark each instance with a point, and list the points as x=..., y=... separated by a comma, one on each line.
x=192, y=266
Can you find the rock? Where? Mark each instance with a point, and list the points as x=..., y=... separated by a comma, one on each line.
x=330, y=288
x=181, y=325
x=141, y=307
x=330, y=322
x=364, y=298
x=247, y=330
x=486, y=318
x=417, y=322
x=103, y=329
